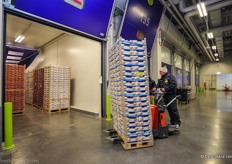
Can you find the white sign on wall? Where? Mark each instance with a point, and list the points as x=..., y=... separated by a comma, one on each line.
x=224, y=80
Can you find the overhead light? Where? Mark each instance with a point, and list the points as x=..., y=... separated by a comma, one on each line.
x=19, y=38
x=216, y=54
x=12, y=61
x=201, y=9
x=14, y=57
x=217, y=59
x=218, y=73
x=214, y=47
x=210, y=35
x=15, y=53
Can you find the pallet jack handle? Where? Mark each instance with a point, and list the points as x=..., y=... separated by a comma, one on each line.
x=177, y=97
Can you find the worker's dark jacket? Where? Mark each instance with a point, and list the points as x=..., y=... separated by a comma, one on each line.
x=152, y=84
x=168, y=82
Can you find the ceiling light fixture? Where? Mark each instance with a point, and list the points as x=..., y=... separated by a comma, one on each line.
x=201, y=9
x=15, y=53
x=14, y=57
x=210, y=35
x=214, y=47
x=216, y=54
x=217, y=59
x=12, y=61
x=19, y=38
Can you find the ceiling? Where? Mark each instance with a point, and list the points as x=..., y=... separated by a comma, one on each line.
x=185, y=16
x=36, y=36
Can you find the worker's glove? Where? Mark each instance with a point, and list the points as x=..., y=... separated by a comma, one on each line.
x=154, y=89
x=163, y=90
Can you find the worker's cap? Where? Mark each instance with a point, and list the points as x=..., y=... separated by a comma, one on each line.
x=164, y=69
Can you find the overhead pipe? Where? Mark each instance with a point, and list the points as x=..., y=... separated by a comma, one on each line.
x=186, y=25
x=184, y=9
x=219, y=29
x=195, y=12
x=168, y=8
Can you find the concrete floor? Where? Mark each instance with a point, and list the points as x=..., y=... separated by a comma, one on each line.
x=75, y=138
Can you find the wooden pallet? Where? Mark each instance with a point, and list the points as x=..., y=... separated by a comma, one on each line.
x=29, y=104
x=19, y=112
x=57, y=110
x=65, y=109
x=51, y=111
x=137, y=145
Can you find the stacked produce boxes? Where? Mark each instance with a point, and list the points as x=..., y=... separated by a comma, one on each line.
x=38, y=88
x=29, y=88
x=56, y=88
x=129, y=88
x=15, y=86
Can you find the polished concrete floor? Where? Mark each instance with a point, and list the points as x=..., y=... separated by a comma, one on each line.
x=74, y=138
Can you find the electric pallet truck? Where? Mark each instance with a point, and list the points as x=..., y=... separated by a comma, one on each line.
x=159, y=128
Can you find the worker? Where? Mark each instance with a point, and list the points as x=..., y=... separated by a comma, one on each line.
x=167, y=83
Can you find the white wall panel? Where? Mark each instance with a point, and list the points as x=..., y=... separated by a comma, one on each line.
x=84, y=57
x=177, y=61
x=186, y=65
x=224, y=66
x=224, y=80
x=50, y=55
x=165, y=55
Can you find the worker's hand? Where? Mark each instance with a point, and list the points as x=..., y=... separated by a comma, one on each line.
x=154, y=89
x=163, y=90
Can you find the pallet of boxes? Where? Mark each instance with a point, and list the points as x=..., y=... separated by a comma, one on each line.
x=129, y=90
x=38, y=88
x=56, y=89
x=29, y=88
x=15, y=87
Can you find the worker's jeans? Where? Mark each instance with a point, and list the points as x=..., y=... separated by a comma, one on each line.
x=172, y=109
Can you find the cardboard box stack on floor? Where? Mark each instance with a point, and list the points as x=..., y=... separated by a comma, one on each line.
x=38, y=89
x=129, y=90
x=15, y=86
x=57, y=88
x=29, y=88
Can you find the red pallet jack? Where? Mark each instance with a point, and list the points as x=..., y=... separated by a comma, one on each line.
x=159, y=127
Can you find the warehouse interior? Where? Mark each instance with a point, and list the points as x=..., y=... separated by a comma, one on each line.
x=76, y=136
x=44, y=46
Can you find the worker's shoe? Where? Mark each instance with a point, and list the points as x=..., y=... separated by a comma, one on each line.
x=177, y=126
x=171, y=127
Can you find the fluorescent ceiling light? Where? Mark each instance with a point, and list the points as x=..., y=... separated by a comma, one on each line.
x=14, y=57
x=217, y=59
x=214, y=47
x=201, y=9
x=216, y=54
x=19, y=38
x=11, y=61
x=15, y=53
x=210, y=35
